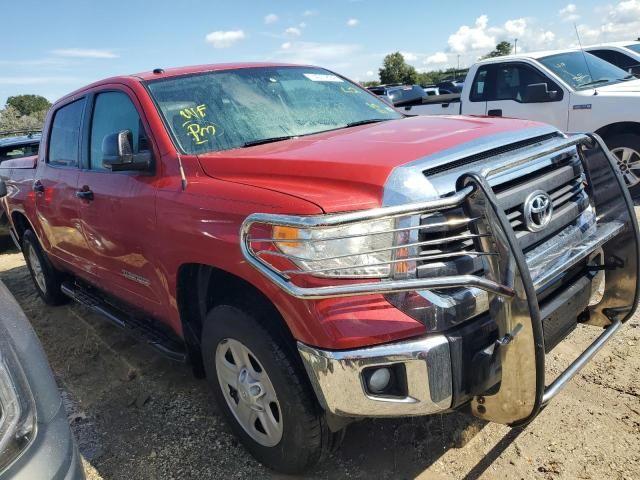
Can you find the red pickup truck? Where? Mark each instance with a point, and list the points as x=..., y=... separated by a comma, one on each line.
x=321, y=257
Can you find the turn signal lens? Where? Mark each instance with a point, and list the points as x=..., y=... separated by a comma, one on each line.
x=288, y=234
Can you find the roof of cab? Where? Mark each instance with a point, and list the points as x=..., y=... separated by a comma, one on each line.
x=176, y=72
x=530, y=55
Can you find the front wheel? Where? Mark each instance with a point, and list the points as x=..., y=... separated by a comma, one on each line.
x=626, y=149
x=262, y=393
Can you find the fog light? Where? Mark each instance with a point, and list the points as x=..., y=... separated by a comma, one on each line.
x=379, y=380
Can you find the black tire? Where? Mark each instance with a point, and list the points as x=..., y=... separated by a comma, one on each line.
x=51, y=279
x=306, y=438
x=630, y=141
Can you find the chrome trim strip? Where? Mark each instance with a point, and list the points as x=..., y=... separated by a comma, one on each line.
x=406, y=183
x=584, y=358
x=336, y=377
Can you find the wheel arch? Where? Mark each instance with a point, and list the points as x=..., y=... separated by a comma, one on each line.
x=201, y=287
x=20, y=224
x=618, y=128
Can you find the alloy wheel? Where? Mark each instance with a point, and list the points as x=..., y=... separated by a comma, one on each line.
x=629, y=164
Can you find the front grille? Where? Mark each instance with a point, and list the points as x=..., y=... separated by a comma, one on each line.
x=564, y=184
x=455, y=251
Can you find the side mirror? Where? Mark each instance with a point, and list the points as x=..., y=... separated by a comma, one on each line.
x=3, y=189
x=118, y=156
x=539, y=93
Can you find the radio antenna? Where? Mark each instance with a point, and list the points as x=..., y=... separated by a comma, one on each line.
x=183, y=177
x=584, y=55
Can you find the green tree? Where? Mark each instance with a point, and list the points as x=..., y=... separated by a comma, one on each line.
x=395, y=70
x=502, y=49
x=10, y=119
x=28, y=104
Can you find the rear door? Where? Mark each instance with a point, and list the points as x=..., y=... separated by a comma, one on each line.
x=54, y=185
x=117, y=211
x=506, y=95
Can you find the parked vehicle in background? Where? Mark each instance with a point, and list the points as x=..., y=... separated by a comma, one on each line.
x=399, y=94
x=571, y=89
x=35, y=438
x=11, y=148
x=431, y=90
x=624, y=55
x=449, y=87
x=319, y=256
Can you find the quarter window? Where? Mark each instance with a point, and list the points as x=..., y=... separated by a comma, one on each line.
x=64, y=141
x=112, y=113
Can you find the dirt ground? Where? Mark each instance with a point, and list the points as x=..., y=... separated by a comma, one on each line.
x=138, y=416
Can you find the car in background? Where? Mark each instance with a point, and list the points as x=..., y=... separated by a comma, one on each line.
x=12, y=148
x=399, y=95
x=450, y=87
x=431, y=90
x=624, y=55
x=35, y=439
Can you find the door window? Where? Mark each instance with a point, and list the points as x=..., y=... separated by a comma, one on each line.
x=512, y=81
x=112, y=113
x=64, y=141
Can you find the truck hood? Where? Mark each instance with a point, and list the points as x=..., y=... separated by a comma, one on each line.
x=347, y=169
x=632, y=86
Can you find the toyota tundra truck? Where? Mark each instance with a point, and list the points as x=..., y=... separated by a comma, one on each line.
x=572, y=90
x=320, y=257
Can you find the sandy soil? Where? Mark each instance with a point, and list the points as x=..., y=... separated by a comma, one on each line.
x=138, y=416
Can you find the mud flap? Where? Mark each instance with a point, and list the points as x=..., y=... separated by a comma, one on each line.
x=517, y=398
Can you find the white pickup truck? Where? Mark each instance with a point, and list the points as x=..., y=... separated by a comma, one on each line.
x=571, y=90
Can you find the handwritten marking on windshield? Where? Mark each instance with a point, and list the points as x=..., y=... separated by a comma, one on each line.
x=199, y=129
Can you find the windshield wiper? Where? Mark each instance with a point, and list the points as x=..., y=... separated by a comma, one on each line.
x=595, y=82
x=366, y=122
x=262, y=141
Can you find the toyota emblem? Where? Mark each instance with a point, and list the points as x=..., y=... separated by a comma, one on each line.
x=538, y=209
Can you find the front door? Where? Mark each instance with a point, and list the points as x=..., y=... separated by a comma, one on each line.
x=118, y=209
x=508, y=95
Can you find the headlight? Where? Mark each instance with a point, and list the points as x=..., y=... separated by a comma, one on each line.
x=17, y=407
x=362, y=249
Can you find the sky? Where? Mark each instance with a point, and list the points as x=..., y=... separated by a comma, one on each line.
x=56, y=46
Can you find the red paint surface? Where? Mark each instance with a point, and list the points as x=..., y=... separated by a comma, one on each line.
x=147, y=226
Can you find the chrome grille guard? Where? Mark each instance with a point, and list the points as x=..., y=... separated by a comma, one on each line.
x=513, y=304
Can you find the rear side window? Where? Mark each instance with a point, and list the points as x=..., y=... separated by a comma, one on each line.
x=478, y=90
x=18, y=151
x=64, y=141
x=112, y=113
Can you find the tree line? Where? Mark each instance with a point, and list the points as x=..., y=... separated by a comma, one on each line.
x=396, y=70
x=23, y=113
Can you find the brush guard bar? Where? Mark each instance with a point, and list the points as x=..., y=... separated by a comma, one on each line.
x=521, y=393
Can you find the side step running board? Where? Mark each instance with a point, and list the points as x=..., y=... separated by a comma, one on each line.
x=143, y=329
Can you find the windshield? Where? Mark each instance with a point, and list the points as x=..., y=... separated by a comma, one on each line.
x=572, y=68
x=216, y=111
x=635, y=47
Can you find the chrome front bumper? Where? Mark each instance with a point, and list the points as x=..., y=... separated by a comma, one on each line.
x=337, y=378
